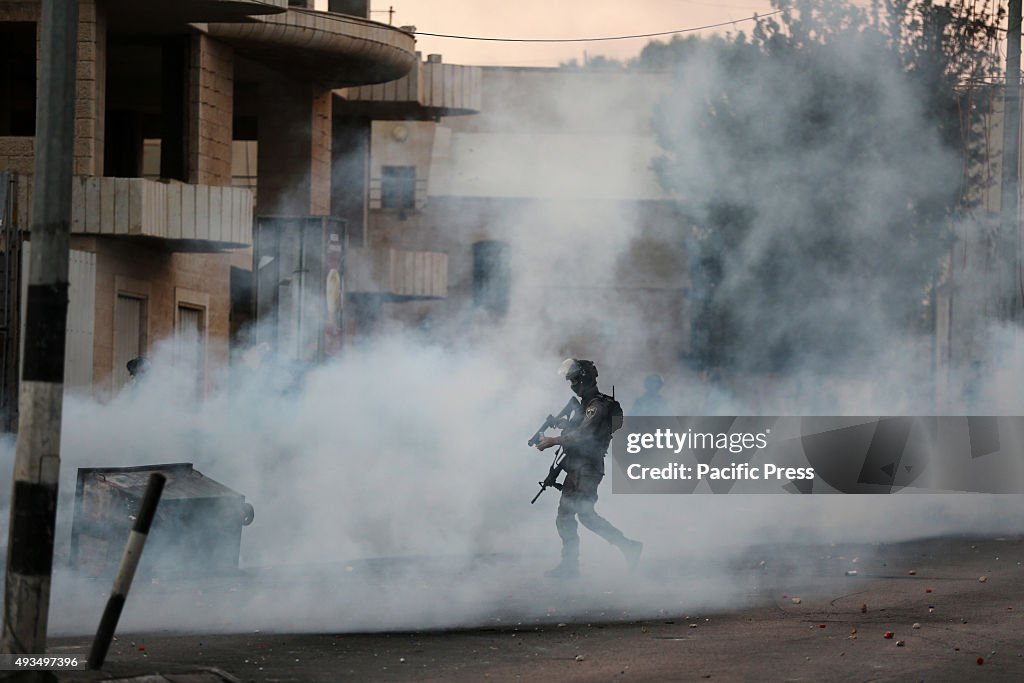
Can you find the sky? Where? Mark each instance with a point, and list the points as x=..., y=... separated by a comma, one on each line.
x=563, y=19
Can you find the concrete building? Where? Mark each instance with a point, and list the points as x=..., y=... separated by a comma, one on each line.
x=169, y=257
x=547, y=207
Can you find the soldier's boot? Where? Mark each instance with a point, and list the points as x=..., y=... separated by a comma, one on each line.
x=631, y=551
x=569, y=567
x=566, y=569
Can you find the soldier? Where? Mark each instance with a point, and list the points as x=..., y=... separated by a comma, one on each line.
x=651, y=403
x=585, y=440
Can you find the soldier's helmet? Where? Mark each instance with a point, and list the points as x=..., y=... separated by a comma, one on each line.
x=577, y=369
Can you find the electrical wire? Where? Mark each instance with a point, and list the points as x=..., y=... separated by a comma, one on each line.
x=594, y=40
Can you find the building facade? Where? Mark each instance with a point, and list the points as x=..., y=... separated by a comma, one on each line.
x=548, y=209
x=165, y=252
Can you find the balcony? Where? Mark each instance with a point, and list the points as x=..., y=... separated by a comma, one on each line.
x=160, y=14
x=332, y=49
x=430, y=90
x=195, y=218
x=397, y=275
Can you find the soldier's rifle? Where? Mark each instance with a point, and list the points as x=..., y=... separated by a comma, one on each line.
x=554, y=422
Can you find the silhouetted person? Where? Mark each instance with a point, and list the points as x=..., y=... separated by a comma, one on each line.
x=651, y=402
x=137, y=369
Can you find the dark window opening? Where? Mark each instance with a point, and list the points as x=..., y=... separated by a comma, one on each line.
x=398, y=187
x=132, y=105
x=18, y=78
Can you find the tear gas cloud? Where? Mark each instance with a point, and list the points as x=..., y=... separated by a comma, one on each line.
x=391, y=487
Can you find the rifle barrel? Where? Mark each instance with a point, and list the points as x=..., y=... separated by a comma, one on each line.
x=542, y=487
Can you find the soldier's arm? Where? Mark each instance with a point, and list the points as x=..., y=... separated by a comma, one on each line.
x=547, y=442
x=587, y=435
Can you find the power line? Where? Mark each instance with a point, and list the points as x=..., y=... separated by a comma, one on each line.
x=593, y=40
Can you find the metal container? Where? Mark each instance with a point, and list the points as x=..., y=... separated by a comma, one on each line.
x=197, y=530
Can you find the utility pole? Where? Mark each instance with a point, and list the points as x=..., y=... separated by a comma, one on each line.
x=1010, y=192
x=37, y=457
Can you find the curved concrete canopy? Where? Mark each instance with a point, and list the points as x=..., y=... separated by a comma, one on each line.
x=173, y=14
x=335, y=50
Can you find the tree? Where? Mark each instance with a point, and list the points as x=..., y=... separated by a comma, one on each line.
x=822, y=159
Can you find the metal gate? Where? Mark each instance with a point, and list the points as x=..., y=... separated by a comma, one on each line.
x=298, y=264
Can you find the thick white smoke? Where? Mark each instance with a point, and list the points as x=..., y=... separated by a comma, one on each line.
x=391, y=487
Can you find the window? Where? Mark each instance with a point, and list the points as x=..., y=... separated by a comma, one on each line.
x=18, y=78
x=398, y=187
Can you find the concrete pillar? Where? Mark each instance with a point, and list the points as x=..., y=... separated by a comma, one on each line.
x=350, y=173
x=294, y=157
x=211, y=108
x=90, y=88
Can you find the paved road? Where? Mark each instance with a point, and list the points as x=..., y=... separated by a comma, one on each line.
x=796, y=619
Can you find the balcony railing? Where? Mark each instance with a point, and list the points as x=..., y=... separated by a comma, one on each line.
x=189, y=217
x=397, y=275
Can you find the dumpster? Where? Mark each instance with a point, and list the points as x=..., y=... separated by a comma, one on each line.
x=197, y=530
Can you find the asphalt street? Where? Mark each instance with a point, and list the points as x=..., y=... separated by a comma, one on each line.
x=945, y=609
